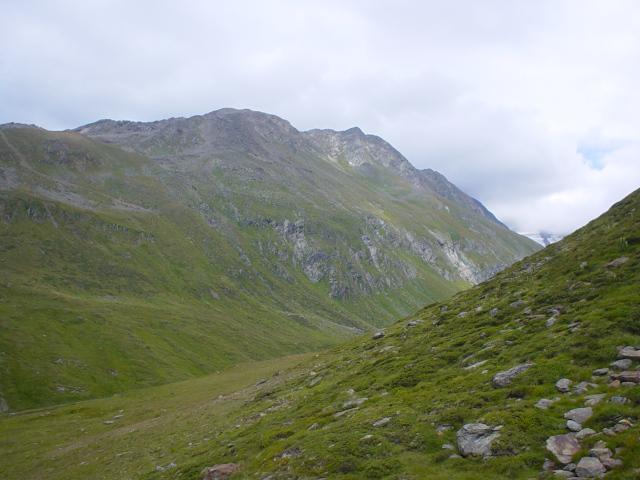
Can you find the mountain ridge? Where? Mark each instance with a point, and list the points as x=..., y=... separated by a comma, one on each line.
x=231, y=226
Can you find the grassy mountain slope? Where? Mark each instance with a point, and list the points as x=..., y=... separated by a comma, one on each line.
x=383, y=408
x=173, y=249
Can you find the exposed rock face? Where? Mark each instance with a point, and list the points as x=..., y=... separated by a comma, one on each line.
x=475, y=439
x=502, y=379
x=272, y=147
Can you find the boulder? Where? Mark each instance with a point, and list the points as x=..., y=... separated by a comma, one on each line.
x=620, y=365
x=600, y=372
x=502, y=379
x=590, y=467
x=563, y=385
x=619, y=400
x=631, y=353
x=475, y=439
x=224, y=470
x=579, y=415
x=378, y=335
x=632, y=376
x=563, y=447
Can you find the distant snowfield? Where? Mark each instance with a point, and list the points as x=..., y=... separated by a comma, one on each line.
x=543, y=239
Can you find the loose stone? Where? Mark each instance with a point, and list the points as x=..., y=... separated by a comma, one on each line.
x=589, y=467
x=579, y=415
x=620, y=365
x=564, y=447
x=563, y=385
x=574, y=426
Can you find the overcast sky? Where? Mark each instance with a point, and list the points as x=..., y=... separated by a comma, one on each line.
x=532, y=107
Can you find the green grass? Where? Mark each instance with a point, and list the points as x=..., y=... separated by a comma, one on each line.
x=165, y=269
x=300, y=424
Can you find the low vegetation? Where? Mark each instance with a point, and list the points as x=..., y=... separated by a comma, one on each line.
x=383, y=407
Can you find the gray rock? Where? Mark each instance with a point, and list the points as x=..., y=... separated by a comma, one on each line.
x=579, y=415
x=563, y=474
x=611, y=463
x=475, y=439
x=544, y=403
x=549, y=465
x=563, y=385
x=573, y=426
x=591, y=400
x=581, y=388
x=630, y=353
x=620, y=427
x=563, y=447
x=585, y=433
x=493, y=312
x=381, y=422
x=446, y=446
x=619, y=400
x=620, y=365
x=633, y=376
x=502, y=379
x=378, y=335
x=551, y=321
x=590, y=467
x=571, y=467
x=601, y=453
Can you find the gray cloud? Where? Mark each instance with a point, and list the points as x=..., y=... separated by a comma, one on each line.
x=531, y=107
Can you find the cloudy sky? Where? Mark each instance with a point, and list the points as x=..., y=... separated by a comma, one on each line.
x=533, y=107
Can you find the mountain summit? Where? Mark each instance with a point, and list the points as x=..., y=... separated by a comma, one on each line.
x=151, y=252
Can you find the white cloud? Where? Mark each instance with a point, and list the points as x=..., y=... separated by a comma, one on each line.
x=532, y=107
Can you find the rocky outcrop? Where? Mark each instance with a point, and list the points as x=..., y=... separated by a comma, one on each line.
x=475, y=439
x=502, y=379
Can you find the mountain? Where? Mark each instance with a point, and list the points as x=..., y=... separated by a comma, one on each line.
x=135, y=254
x=530, y=374
x=544, y=238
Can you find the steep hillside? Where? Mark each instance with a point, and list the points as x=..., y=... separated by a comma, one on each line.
x=395, y=404
x=135, y=254
x=531, y=372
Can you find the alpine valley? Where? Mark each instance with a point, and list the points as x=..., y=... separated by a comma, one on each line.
x=243, y=257
x=137, y=254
